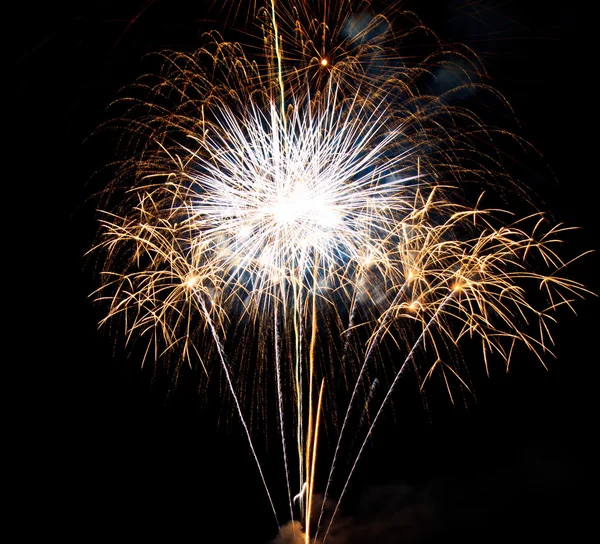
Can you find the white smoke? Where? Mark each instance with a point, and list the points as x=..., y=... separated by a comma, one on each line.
x=386, y=514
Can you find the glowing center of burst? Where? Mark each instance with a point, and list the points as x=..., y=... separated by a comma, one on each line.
x=302, y=207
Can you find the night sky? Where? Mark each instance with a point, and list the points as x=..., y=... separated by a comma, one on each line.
x=105, y=451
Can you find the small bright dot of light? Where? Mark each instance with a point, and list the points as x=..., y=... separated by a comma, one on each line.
x=245, y=231
x=191, y=281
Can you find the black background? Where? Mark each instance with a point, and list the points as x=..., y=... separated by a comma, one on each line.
x=104, y=452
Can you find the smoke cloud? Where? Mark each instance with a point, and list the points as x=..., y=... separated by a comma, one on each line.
x=385, y=514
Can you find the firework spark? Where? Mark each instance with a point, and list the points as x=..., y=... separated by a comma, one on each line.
x=299, y=216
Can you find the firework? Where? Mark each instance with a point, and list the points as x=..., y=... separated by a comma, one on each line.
x=313, y=216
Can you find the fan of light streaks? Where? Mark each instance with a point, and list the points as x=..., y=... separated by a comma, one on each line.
x=294, y=223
